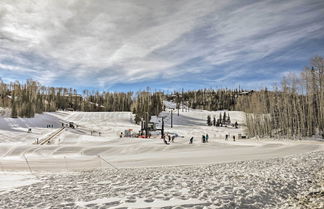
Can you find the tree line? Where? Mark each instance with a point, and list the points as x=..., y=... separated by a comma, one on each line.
x=29, y=98
x=293, y=108
x=206, y=99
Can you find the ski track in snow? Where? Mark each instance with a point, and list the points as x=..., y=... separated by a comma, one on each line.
x=245, y=184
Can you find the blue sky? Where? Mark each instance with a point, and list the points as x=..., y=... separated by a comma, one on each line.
x=122, y=45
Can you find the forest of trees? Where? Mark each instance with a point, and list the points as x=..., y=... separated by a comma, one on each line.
x=146, y=105
x=207, y=99
x=25, y=100
x=294, y=108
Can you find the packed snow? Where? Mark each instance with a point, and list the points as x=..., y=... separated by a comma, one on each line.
x=242, y=184
x=11, y=180
x=90, y=166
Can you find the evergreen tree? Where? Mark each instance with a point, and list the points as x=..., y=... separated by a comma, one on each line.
x=224, y=118
x=209, y=123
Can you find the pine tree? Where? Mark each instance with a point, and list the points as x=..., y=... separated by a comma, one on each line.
x=209, y=123
x=224, y=118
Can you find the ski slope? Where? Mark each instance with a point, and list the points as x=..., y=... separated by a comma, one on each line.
x=85, y=148
x=136, y=173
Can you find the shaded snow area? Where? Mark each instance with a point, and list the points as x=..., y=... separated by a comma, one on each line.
x=271, y=183
x=313, y=197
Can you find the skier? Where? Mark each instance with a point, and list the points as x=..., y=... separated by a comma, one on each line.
x=234, y=138
x=191, y=140
x=206, y=139
x=169, y=137
x=203, y=139
x=236, y=124
x=121, y=135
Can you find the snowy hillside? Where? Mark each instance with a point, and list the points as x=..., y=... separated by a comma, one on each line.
x=97, y=133
x=147, y=172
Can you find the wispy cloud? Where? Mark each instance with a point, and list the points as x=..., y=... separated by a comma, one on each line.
x=101, y=43
x=16, y=68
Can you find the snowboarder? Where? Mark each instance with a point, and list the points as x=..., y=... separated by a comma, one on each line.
x=191, y=140
x=206, y=139
x=203, y=139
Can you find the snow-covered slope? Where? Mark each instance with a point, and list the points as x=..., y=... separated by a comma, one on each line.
x=79, y=148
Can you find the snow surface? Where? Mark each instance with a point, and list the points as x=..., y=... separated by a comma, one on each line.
x=78, y=149
x=139, y=173
x=243, y=184
x=11, y=180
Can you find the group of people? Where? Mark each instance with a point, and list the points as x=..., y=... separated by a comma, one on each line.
x=169, y=137
x=204, y=139
x=92, y=132
x=227, y=136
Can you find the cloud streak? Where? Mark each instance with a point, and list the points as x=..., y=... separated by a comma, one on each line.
x=104, y=43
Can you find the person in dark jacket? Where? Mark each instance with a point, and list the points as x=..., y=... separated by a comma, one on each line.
x=191, y=140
